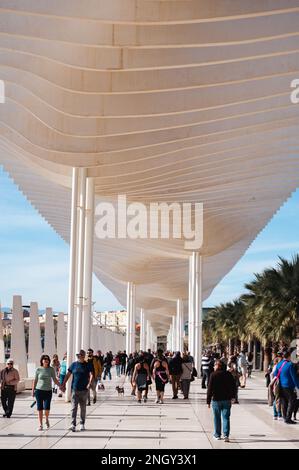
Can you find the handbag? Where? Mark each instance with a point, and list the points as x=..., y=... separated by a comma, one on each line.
x=275, y=384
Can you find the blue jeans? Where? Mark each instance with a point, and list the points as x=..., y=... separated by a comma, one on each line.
x=277, y=412
x=221, y=409
x=107, y=372
x=118, y=367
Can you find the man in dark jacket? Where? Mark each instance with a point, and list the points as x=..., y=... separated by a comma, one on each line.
x=175, y=371
x=221, y=391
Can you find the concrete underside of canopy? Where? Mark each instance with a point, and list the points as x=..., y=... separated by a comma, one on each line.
x=163, y=101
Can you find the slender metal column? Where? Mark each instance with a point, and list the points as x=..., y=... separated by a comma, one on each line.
x=198, y=311
x=72, y=277
x=174, y=333
x=180, y=328
x=88, y=264
x=147, y=342
x=133, y=317
x=81, y=245
x=191, y=308
x=142, y=330
x=129, y=319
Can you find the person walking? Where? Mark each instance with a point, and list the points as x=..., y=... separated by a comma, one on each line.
x=123, y=362
x=233, y=369
x=206, y=369
x=288, y=380
x=249, y=360
x=42, y=389
x=242, y=365
x=140, y=379
x=186, y=376
x=273, y=400
x=62, y=371
x=56, y=366
x=9, y=379
x=221, y=391
x=118, y=363
x=175, y=371
x=82, y=373
x=107, y=366
x=161, y=377
x=96, y=372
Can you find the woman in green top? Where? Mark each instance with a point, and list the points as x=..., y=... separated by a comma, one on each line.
x=42, y=389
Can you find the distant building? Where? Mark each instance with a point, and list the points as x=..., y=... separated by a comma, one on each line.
x=115, y=320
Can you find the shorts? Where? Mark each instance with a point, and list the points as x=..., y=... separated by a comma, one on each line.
x=43, y=399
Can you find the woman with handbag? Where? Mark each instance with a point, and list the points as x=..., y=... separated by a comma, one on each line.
x=186, y=377
x=140, y=379
x=161, y=377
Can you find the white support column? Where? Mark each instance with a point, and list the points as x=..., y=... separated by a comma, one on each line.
x=133, y=317
x=2, y=349
x=81, y=246
x=61, y=336
x=71, y=318
x=49, y=345
x=142, y=330
x=88, y=264
x=129, y=319
x=180, y=326
x=197, y=310
x=147, y=339
x=170, y=338
x=34, y=345
x=174, y=334
x=18, y=345
x=190, y=309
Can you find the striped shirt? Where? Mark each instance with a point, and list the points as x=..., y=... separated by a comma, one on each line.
x=205, y=362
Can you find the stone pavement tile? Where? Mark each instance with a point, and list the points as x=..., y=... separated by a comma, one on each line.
x=133, y=443
x=179, y=444
x=74, y=442
x=42, y=443
x=145, y=434
x=14, y=442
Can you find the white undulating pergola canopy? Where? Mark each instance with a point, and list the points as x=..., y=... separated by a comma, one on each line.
x=170, y=100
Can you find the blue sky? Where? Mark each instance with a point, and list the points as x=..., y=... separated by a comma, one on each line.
x=34, y=260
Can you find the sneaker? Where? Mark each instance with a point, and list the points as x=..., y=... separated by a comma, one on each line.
x=161, y=402
x=157, y=401
x=94, y=401
x=145, y=399
x=40, y=428
x=47, y=423
x=290, y=421
x=217, y=438
x=226, y=439
x=73, y=428
x=82, y=427
x=280, y=418
x=275, y=418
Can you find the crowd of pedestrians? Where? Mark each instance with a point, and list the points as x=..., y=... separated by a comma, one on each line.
x=221, y=375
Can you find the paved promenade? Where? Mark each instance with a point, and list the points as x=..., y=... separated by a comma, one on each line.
x=120, y=422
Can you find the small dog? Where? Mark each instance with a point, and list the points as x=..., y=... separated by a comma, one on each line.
x=120, y=390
